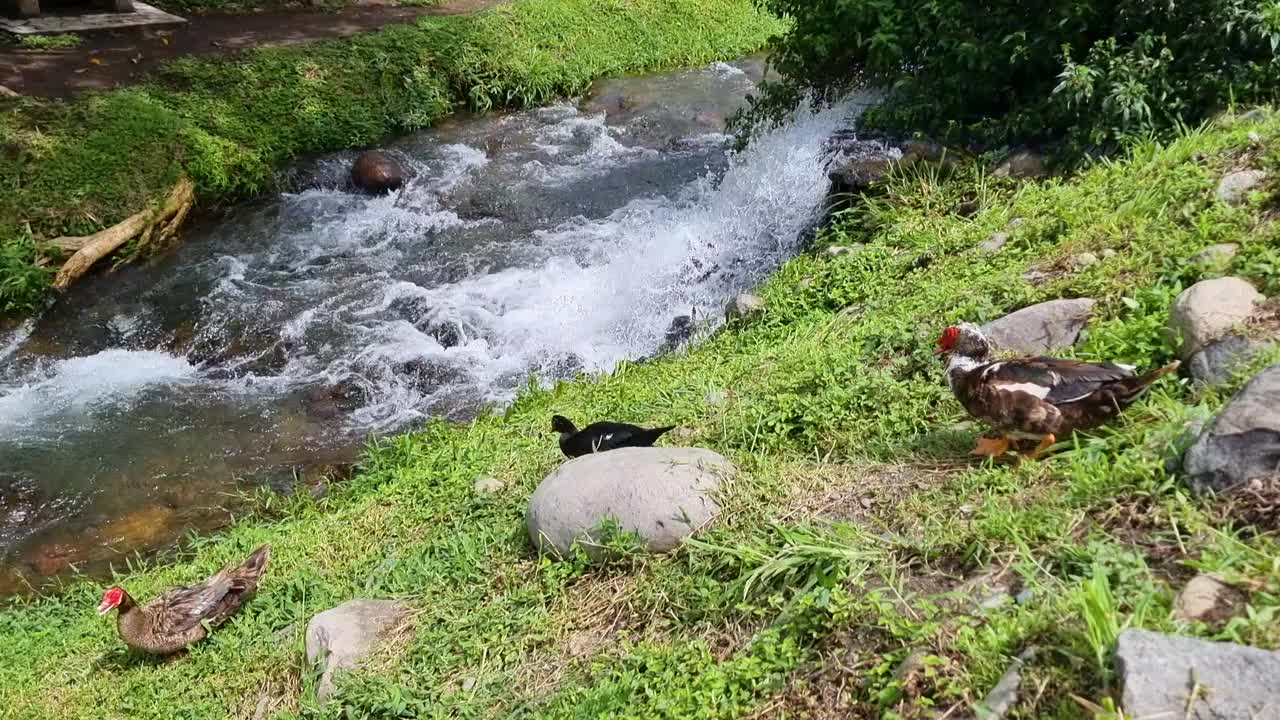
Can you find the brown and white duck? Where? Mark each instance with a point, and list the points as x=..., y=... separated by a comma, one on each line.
x=1038, y=397
x=182, y=616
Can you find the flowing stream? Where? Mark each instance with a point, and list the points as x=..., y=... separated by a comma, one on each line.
x=281, y=333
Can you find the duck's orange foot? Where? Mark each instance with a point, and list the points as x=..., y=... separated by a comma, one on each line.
x=991, y=447
x=1045, y=442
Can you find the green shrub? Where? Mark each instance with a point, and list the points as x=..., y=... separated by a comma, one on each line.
x=1032, y=70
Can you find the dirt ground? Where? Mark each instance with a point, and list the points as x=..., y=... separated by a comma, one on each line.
x=117, y=58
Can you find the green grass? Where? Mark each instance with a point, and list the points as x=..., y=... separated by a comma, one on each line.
x=836, y=400
x=59, y=41
x=71, y=168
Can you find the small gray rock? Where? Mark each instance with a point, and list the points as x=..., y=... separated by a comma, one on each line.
x=1004, y=695
x=1218, y=360
x=1206, y=599
x=745, y=305
x=1217, y=255
x=716, y=397
x=1234, y=187
x=662, y=494
x=1109, y=253
x=994, y=242
x=1016, y=222
x=1243, y=441
x=339, y=638
x=842, y=250
x=1209, y=310
x=1022, y=164
x=1041, y=328
x=1085, y=259
x=488, y=486
x=1235, y=682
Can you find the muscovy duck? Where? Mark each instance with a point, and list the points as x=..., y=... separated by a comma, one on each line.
x=602, y=436
x=182, y=616
x=1038, y=397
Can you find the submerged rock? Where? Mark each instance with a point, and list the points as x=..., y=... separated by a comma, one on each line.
x=1209, y=310
x=660, y=494
x=678, y=332
x=378, y=172
x=1243, y=442
x=339, y=638
x=1041, y=328
x=1182, y=677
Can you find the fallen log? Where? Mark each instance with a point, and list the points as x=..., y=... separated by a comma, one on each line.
x=89, y=249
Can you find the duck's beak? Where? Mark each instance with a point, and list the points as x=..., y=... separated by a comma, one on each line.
x=104, y=607
x=937, y=351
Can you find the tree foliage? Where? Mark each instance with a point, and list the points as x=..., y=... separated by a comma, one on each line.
x=1091, y=71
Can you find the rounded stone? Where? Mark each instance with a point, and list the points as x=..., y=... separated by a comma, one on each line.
x=1040, y=328
x=377, y=172
x=661, y=494
x=1209, y=310
x=1235, y=187
x=745, y=305
x=488, y=485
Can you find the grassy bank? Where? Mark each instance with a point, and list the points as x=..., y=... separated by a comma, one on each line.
x=71, y=168
x=857, y=512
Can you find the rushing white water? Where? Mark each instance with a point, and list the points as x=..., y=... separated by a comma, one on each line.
x=547, y=243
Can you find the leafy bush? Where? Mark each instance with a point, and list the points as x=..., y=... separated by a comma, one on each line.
x=1031, y=70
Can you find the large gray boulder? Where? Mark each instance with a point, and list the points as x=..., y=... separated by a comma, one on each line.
x=1040, y=329
x=1160, y=672
x=339, y=638
x=1243, y=442
x=1209, y=310
x=661, y=494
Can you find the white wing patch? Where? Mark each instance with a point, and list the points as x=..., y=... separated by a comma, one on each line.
x=1039, y=391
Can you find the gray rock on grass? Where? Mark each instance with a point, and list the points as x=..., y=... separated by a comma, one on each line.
x=1219, y=360
x=1209, y=310
x=341, y=637
x=1041, y=328
x=1167, y=676
x=745, y=305
x=663, y=494
x=1234, y=187
x=1243, y=441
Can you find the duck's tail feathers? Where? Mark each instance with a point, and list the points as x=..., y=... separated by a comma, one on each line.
x=248, y=572
x=1134, y=387
x=656, y=433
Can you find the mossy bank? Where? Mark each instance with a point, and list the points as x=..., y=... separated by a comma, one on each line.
x=74, y=167
x=856, y=513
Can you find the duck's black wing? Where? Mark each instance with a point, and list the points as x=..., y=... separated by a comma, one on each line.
x=604, y=436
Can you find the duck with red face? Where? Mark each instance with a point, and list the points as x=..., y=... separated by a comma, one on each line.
x=183, y=616
x=1039, y=398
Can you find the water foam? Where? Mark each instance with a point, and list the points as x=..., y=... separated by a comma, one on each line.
x=79, y=386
